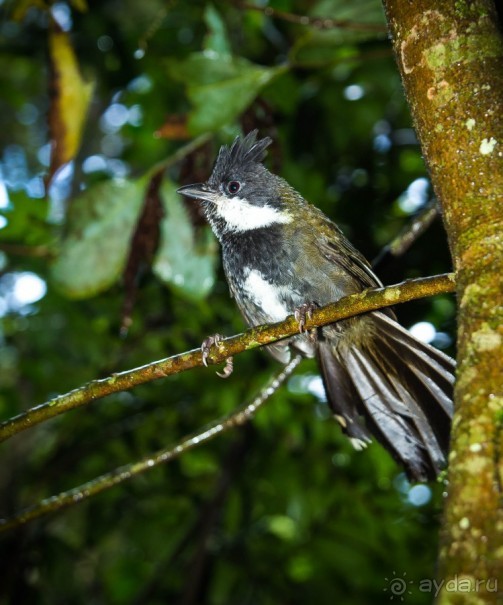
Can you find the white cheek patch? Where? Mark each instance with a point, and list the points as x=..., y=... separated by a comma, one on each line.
x=265, y=295
x=240, y=215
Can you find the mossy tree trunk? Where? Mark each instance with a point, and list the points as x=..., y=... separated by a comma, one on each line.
x=450, y=55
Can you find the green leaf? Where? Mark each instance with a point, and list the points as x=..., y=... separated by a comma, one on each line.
x=100, y=225
x=182, y=262
x=220, y=87
x=217, y=39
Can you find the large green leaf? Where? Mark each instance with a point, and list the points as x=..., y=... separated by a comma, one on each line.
x=182, y=262
x=94, y=251
x=220, y=87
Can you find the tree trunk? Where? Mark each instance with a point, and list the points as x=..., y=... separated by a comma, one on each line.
x=450, y=55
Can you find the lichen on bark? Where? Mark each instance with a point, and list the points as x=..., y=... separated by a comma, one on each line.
x=450, y=55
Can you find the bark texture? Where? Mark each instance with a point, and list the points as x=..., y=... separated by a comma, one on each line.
x=450, y=55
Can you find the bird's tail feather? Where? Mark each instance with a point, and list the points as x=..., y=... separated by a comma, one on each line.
x=401, y=387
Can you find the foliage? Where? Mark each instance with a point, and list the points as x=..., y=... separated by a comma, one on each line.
x=283, y=510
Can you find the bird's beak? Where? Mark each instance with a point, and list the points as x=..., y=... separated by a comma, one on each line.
x=198, y=191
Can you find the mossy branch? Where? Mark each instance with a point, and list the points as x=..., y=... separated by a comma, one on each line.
x=108, y=480
x=450, y=56
x=322, y=23
x=368, y=300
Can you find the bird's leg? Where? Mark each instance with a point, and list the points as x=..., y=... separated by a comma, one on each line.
x=206, y=345
x=300, y=314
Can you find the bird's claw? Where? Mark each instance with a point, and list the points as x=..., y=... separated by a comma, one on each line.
x=305, y=310
x=214, y=341
x=228, y=368
x=211, y=341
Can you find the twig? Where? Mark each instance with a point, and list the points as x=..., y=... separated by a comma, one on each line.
x=404, y=240
x=155, y=25
x=368, y=300
x=123, y=473
x=32, y=251
x=209, y=515
x=318, y=22
x=212, y=512
x=179, y=154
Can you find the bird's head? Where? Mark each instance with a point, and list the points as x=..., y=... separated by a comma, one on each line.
x=241, y=194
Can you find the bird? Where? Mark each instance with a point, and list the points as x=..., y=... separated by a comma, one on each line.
x=281, y=255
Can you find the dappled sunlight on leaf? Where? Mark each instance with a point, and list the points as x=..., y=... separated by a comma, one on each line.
x=182, y=262
x=94, y=251
x=220, y=87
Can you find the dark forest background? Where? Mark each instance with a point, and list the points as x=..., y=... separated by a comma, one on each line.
x=104, y=268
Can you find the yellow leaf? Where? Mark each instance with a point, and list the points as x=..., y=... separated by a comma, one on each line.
x=70, y=98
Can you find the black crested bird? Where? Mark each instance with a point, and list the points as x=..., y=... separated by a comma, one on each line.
x=281, y=255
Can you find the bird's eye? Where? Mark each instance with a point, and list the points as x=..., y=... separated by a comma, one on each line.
x=233, y=187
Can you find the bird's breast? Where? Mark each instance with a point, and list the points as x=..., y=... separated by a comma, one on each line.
x=269, y=297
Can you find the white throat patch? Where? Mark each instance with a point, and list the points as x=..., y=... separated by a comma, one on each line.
x=239, y=215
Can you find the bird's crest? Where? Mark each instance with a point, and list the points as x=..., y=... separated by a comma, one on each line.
x=242, y=152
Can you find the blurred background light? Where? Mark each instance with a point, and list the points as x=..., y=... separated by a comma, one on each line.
x=415, y=196
x=423, y=331
x=27, y=114
x=105, y=43
x=62, y=14
x=35, y=187
x=20, y=289
x=419, y=495
x=308, y=383
x=94, y=163
x=141, y=84
x=353, y=92
x=28, y=288
x=114, y=118
x=4, y=195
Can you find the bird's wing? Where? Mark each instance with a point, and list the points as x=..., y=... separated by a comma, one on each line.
x=337, y=249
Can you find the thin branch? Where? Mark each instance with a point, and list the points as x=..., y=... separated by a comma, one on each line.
x=31, y=251
x=203, y=555
x=179, y=154
x=413, y=231
x=317, y=22
x=65, y=499
x=368, y=300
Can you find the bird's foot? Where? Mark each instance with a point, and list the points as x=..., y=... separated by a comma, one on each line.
x=214, y=341
x=228, y=368
x=211, y=341
x=305, y=310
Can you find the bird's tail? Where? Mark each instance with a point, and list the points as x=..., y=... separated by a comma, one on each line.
x=391, y=386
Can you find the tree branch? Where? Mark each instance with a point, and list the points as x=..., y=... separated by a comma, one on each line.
x=65, y=499
x=318, y=22
x=412, y=231
x=368, y=300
